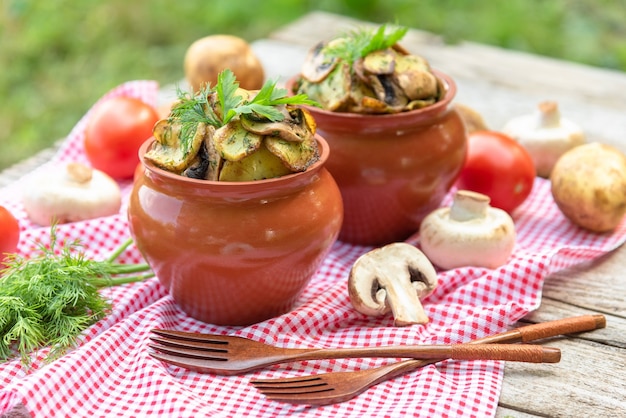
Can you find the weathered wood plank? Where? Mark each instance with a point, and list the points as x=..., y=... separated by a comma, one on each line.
x=588, y=382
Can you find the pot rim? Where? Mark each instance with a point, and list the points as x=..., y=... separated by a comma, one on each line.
x=441, y=105
x=324, y=152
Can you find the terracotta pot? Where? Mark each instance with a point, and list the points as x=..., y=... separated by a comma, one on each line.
x=392, y=169
x=235, y=253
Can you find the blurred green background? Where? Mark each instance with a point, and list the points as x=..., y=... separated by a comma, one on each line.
x=58, y=57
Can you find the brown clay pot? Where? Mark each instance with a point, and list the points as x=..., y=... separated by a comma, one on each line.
x=235, y=253
x=392, y=169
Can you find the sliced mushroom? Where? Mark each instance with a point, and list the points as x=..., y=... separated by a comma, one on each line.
x=392, y=278
x=317, y=66
x=297, y=126
x=469, y=233
x=168, y=153
x=215, y=160
x=414, y=77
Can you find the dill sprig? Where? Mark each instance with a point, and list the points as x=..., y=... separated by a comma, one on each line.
x=52, y=297
x=228, y=104
x=360, y=42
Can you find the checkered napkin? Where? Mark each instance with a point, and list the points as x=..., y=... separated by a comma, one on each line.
x=111, y=374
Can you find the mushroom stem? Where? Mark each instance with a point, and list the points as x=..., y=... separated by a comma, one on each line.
x=549, y=115
x=392, y=278
x=398, y=296
x=468, y=205
x=79, y=173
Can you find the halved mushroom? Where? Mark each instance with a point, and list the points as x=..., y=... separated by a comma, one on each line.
x=392, y=278
x=469, y=233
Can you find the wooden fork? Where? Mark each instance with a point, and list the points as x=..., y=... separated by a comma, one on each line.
x=228, y=355
x=335, y=387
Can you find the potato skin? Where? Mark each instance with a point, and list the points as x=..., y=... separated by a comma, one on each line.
x=589, y=186
x=207, y=57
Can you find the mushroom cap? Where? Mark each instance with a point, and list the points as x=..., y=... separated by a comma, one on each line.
x=545, y=135
x=392, y=278
x=70, y=193
x=468, y=234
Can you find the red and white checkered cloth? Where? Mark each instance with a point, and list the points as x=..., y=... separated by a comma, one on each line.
x=111, y=373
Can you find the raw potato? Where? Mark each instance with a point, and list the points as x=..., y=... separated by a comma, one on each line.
x=208, y=56
x=589, y=186
x=473, y=120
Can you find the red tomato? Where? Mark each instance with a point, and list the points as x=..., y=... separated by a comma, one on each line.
x=9, y=233
x=115, y=131
x=499, y=167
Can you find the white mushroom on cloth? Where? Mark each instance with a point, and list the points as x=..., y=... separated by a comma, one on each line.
x=393, y=279
x=70, y=193
x=545, y=134
x=469, y=233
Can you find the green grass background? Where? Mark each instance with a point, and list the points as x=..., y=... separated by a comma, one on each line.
x=58, y=57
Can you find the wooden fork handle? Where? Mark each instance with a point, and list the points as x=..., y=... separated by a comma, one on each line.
x=562, y=326
x=507, y=352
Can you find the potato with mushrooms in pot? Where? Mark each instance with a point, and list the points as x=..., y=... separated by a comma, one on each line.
x=227, y=133
x=364, y=73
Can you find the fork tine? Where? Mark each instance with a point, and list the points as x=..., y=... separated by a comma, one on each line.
x=210, y=346
x=192, y=336
x=288, y=384
x=202, y=354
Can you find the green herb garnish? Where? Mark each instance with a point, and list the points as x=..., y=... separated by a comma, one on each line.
x=194, y=109
x=50, y=299
x=360, y=42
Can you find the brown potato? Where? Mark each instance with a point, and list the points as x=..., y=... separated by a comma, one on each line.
x=208, y=56
x=589, y=186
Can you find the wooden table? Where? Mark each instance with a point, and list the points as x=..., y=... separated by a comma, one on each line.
x=590, y=381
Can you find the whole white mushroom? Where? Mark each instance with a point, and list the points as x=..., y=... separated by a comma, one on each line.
x=70, y=193
x=469, y=233
x=545, y=134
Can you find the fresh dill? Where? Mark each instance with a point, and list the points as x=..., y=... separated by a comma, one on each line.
x=360, y=42
x=52, y=297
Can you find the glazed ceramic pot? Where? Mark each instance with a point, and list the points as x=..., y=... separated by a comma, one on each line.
x=235, y=253
x=392, y=169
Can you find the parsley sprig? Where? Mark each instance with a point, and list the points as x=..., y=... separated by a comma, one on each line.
x=360, y=42
x=52, y=297
x=228, y=104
